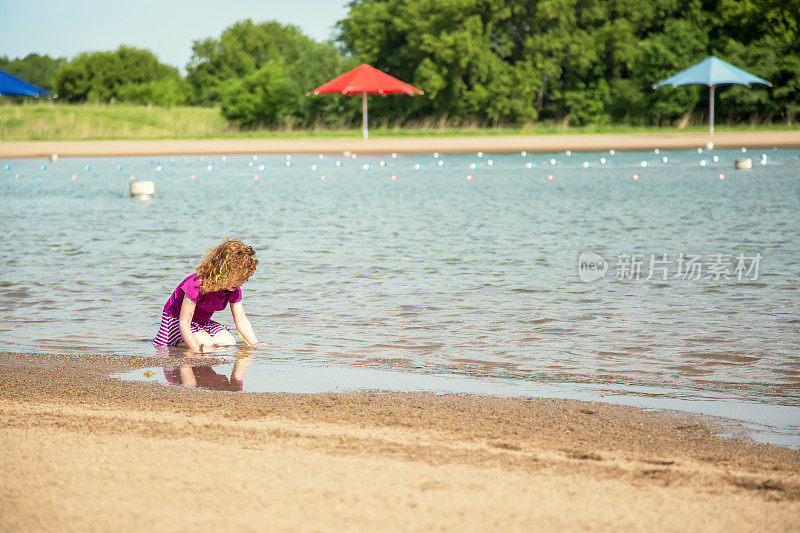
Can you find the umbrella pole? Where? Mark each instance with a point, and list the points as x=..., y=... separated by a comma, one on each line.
x=711, y=110
x=364, y=113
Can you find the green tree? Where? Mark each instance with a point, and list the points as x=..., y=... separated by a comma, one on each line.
x=260, y=74
x=241, y=50
x=574, y=61
x=101, y=76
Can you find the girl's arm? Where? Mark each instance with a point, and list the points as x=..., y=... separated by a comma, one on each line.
x=185, y=321
x=243, y=323
x=187, y=377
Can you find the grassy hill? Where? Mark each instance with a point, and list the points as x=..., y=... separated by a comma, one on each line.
x=50, y=121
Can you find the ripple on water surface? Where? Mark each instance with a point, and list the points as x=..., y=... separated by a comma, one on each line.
x=431, y=270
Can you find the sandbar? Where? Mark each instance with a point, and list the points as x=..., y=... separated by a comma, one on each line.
x=386, y=145
x=83, y=451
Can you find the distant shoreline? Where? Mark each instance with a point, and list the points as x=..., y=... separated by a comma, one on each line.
x=386, y=145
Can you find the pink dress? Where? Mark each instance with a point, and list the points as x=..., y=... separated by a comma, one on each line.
x=169, y=334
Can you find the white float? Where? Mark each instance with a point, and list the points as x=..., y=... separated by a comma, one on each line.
x=142, y=190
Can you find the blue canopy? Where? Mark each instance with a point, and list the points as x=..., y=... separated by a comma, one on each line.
x=712, y=72
x=12, y=85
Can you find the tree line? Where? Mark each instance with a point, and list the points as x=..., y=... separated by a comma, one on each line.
x=494, y=62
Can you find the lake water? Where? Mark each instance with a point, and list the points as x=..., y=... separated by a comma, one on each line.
x=675, y=290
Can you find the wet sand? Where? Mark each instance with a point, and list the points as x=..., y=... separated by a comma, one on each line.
x=82, y=451
x=495, y=144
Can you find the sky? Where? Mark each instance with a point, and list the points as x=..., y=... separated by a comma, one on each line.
x=65, y=28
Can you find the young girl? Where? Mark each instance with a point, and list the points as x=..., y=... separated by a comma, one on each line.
x=186, y=320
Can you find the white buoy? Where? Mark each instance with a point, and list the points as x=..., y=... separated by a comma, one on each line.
x=715, y=159
x=743, y=149
x=382, y=163
x=709, y=145
x=743, y=164
x=644, y=164
x=528, y=165
x=480, y=154
x=603, y=160
x=612, y=152
x=665, y=159
x=417, y=166
x=586, y=164
x=436, y=155
x=353, y=156
x=288, y=157
x=704, y=163
x=142, y=190
x=338, y=163
x=54, y=158
x=473, y=166
x=553, y=162
x=320, y=157
x=262, y=167
x=523, y=153
x=656, y=151
x=366, y=166
x=440, y=163
x=490, y=163
x=568, y=153
x=314, y=167
x=394, y=155
x=250, y=164
x=699, y=150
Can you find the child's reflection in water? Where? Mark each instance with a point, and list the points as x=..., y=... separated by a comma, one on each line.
x=204, y=377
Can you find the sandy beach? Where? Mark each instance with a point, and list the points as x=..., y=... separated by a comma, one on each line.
x=499, y=144
x=82, y=451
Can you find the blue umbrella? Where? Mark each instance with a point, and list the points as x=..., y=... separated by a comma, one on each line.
x=712, y=72
x=12, y=85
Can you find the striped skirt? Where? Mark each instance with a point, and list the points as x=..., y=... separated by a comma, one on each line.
x=169, y=334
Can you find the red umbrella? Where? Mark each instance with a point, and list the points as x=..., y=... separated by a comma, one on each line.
x=366, y=79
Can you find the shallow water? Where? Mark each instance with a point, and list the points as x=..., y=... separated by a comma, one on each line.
x=432, y=273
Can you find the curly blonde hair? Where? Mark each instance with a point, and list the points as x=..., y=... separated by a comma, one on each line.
x=228, y=263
